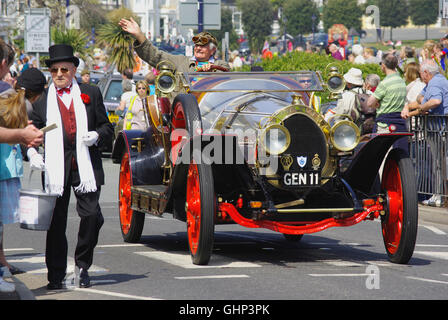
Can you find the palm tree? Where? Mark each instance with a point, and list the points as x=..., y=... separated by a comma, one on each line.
x=76, y=38
x=120, y=42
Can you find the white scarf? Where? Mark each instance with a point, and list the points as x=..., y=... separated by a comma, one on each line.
x=54, y=145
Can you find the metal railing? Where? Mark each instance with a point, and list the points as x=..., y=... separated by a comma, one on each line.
x=429, y=153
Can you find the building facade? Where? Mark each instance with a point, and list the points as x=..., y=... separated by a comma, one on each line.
x=11, y=17
x=159, y=18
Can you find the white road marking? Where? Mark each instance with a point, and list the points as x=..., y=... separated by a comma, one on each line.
x=36, y=264
x=184, y=260
x=227, y=276
x=428, y=280
x=385, y=264
x=120, y=245
x=115, y=294
x=435, y=254
x=435, y=230
x=339, y=274
x=18, y=249
x=341, y=263
x=70, y=281
x=432, y=245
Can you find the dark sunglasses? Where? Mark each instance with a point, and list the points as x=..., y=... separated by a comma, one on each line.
x=141, y=88
x=56, y=70
x=201, y=39
x=305, y=81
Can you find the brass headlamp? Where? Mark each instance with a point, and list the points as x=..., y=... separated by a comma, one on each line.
x=166, y=81
x=335, y=83
x=275, y=139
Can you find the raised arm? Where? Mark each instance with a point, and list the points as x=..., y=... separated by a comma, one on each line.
x=133, y=28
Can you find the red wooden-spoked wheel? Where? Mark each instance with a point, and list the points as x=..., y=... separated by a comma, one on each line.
x=200, y=209
x=131, y=221
x=399, y=224
x=200, y=205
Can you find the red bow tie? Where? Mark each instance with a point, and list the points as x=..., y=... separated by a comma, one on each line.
x=61, y=91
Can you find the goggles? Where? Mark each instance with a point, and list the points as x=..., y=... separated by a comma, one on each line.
x=201, y=40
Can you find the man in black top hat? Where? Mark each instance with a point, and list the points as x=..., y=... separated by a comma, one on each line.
x=72, y=160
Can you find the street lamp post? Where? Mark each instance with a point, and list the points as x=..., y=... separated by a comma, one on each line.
x=200, y=15
x=284, y=19
x=313, y=18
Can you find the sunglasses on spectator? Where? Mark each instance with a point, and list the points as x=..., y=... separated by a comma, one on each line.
x=305, y=81
x=201, y=39
x=141, y=88
x=56, y=70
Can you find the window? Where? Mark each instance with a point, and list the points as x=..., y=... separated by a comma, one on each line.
x=114, y=91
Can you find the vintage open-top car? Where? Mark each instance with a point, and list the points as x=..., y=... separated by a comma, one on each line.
x=253, y=148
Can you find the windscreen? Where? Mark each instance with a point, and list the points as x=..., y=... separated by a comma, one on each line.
x=254, y=81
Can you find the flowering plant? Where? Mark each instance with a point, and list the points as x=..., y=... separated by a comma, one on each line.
x=85, y=98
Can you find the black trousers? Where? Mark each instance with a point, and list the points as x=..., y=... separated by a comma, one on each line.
x=87, y=206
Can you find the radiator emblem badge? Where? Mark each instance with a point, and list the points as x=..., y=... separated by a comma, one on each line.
x=301, y=161
x=316, y=162
x=286, y=162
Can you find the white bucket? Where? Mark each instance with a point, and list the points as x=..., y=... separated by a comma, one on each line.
x=36, y=208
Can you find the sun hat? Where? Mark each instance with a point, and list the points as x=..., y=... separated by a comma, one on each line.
x=354, y=76
x=357, y=49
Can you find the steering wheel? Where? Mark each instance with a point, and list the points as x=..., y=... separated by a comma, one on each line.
x=214, y=68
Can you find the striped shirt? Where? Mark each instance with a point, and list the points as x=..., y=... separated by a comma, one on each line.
x=391, y=93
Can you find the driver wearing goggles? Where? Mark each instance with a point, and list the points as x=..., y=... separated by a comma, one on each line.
x=205, y=46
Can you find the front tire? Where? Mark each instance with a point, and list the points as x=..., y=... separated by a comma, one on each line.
x=399, y=225
x=201, y=210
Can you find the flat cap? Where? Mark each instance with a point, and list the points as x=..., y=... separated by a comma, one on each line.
x=203, y=38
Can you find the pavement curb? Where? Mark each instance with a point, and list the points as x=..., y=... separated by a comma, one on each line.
x=22, y=290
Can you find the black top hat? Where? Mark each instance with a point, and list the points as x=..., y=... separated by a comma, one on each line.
x=61, y=52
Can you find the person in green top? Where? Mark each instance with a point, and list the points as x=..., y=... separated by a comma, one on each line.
x=389, y=98
x=205, y=46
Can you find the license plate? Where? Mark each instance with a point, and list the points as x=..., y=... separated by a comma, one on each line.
x=301, y=179
x=113, y=118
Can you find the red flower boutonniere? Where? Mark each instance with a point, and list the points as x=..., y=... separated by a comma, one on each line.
x=85, y=98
